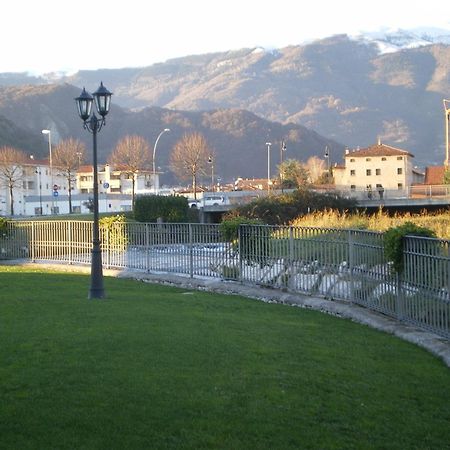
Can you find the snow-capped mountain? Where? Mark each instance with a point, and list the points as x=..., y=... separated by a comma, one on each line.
x=389, y=41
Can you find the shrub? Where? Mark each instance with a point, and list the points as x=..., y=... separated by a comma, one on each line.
x=115, y=228
x=3, y=226
x=393, y=242
x=149, y=208
x=229, y=228
x=281, y=209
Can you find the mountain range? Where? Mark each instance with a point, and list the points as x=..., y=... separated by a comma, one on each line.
x=237, y=137
x=339, y=91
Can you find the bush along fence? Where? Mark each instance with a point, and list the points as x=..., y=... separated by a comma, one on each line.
x=345, y=265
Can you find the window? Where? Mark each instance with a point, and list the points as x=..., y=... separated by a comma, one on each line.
x=383, y=158
x=368, y=159
x=399, y=171
x=377, y=171
x=352, y=172
x=399, y=158
x=353, y=187
x=352, y=159
x=400, y=186
x=368, y=172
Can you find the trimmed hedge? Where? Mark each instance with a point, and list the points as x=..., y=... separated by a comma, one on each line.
x=150, y=208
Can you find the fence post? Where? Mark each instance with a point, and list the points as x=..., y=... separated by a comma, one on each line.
x=191, y=252
x=240, y=227
x=107, y=245
x=447, y=261
x=69, y=238
x=291, y=254
x=32, y=243
x=147, y=249
x=351, y=263
x=398, y=298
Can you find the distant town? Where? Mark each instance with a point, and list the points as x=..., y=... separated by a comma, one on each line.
x=378, y=173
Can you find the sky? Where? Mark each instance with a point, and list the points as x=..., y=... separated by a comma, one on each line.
x=40, y=36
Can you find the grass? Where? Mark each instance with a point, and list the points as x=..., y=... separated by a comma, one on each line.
x=381, y=221
x=161, y=367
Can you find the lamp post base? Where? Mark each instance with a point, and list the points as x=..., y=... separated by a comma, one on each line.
x=96, y=290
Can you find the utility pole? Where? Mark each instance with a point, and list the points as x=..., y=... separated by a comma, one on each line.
x=268, y=166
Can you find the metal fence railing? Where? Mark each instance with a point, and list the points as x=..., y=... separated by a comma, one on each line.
x=347, y=265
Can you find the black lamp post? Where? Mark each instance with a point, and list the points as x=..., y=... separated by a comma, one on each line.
x=211, y=161
x=93, y=124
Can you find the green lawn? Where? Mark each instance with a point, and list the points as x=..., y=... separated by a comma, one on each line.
x=155, y=367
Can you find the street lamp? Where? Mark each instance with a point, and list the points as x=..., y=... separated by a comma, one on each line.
x=49, y=134
x=268, y=165
x=93, y=124
x=327, y=156
x=211, y=161
x=447, y=118
x=154, y=154
x=282, y=150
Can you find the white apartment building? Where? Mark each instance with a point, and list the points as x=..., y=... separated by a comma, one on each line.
x=42, y=191
x=376, y=170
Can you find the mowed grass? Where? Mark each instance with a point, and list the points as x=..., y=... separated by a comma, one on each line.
x=156, y=367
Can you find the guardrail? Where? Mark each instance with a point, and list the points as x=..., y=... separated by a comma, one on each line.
x=413, y=192
x=346, y=265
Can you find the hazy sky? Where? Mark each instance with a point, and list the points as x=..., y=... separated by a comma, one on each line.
x=47, y=35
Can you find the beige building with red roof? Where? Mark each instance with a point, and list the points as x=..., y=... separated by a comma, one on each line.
x=379, y=167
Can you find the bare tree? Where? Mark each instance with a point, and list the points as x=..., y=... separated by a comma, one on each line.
x=132, y=155
x=67, y=157
x=316, y=167
x=11, y=170
x=189, y=158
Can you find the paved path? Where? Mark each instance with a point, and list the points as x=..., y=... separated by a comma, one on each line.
x=435, y=344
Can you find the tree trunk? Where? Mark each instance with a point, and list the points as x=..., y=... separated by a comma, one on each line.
x=194, y=185
x=70, y=197
x=11, y=199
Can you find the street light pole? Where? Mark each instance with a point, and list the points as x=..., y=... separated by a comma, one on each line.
x=211, y=161
x=447, y=118
x=268, y=165
x=154, y=162
x=49, y=134
x=327, y=156
x=282, y=150
x=93, y=124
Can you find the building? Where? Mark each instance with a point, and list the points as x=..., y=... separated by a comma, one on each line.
x=39, y=190
x=434, y=175
x=377, y=170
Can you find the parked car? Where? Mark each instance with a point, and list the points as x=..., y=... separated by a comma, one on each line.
x=214, y=200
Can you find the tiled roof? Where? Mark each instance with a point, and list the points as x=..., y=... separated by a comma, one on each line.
x=434, y=175
x=85, y=169
x=378, y=150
